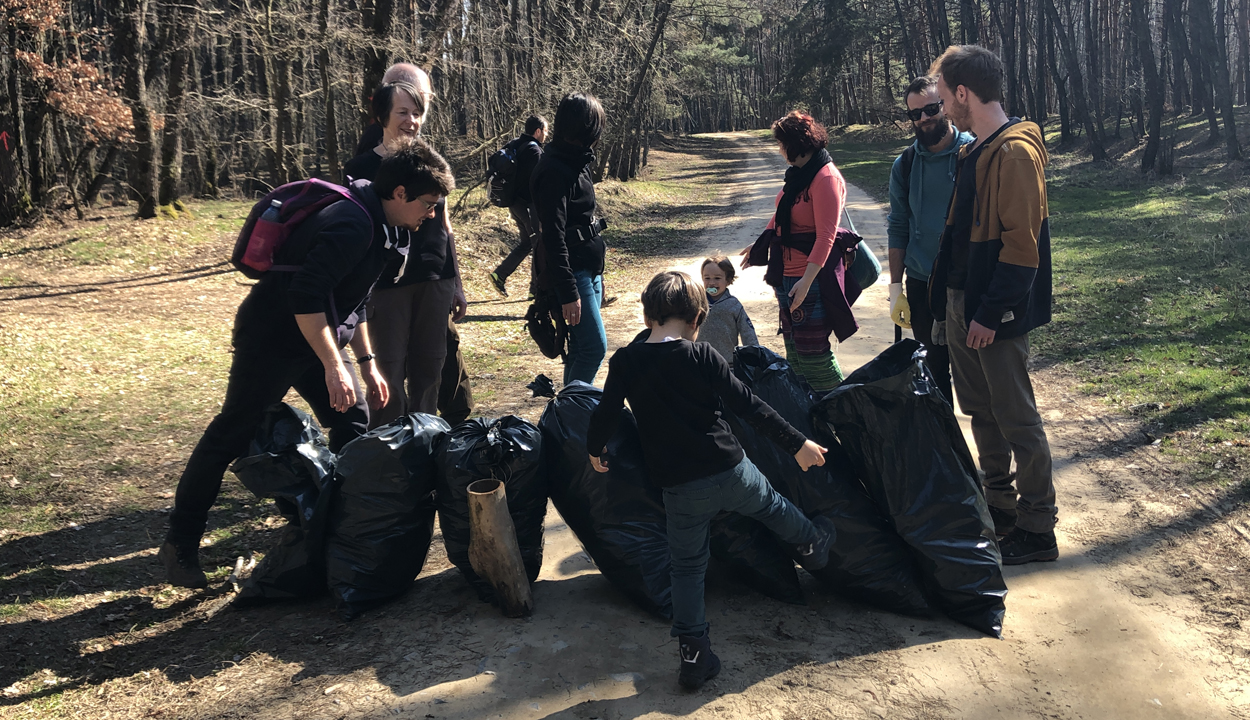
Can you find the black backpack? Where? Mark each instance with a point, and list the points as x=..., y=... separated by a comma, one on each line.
x=501, y=183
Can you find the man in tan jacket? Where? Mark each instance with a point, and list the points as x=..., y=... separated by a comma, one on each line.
x=991, y=281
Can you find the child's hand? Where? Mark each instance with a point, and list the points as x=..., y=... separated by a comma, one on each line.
x=600, y=464
x=810, y=454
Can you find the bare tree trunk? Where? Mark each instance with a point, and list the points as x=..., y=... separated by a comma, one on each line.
x=333, y=167
x=171, y=145
x=1154, y=84
x=1212, y=50
x=132, y=38
x=101, y=175
x=1078, y=84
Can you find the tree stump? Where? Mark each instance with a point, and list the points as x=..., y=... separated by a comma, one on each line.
x=493, y=550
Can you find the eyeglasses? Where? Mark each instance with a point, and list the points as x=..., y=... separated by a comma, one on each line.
x=932, y=109
x=427, y=205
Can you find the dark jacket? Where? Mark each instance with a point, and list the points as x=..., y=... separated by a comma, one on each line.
x=564, y=198
x=430, y=252
x=1008, y=286
x=341, y=253
x=528, y=151
x=678, y=391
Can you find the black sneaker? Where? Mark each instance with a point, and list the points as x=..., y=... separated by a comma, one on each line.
x=1021, y=546
x=1004, y=521
x=698, y=663
x=815, y=555
x=499, y=283
x=182, y=565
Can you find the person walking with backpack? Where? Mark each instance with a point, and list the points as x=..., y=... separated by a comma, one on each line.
x=420, y=295
x=570, y=251
x=525, y=151
x=292, y=330
x=991, y=285
x=922, y=180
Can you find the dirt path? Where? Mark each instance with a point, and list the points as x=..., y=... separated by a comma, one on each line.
x=1085, y=637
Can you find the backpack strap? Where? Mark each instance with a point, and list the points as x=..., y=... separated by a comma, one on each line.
x=907, y=160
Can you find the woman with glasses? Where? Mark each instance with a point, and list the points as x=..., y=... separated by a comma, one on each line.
x=797, y=245
x=410, y=304
x=570, y=250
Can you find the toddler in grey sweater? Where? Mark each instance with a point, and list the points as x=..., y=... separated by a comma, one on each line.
x=727, y=320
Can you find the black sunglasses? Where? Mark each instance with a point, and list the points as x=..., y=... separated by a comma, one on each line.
x=932, y=109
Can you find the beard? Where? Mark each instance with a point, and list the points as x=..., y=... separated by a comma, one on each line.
x=933, y=135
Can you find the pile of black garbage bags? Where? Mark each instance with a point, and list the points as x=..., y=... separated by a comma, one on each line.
x=913, y=530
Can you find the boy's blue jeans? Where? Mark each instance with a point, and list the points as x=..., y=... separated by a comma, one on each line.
x=588, y=343
x=690, y=508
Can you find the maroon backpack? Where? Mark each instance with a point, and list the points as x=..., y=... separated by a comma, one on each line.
x=269, y=224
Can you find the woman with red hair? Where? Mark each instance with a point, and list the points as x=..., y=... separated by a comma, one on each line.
x=799, y=242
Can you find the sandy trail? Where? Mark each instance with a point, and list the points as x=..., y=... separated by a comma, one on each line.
x=1080, y=640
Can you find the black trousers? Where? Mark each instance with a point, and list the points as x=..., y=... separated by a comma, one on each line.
x=455, y=393
x=939, y=359
x=259, y=377
x=527, y=223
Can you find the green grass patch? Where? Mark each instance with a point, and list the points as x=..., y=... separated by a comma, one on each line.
x=1150, y=283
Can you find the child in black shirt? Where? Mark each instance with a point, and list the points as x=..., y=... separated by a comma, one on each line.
x=677, y=389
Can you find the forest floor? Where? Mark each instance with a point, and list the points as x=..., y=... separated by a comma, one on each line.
x=113, y=349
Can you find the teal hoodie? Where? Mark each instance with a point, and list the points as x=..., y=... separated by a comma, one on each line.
x=917, y=216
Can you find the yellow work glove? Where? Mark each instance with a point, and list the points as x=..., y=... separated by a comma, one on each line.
x=900, y=310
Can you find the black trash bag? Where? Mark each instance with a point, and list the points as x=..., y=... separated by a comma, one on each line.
x=755, y=557
x=904, y=441
x=507, y=449
x=869, y=562
x=290, y=462
x=619, y=515
x=383, y=521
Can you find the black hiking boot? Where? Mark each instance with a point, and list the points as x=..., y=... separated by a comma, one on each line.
x=1021, y=546
x=1004, y=521
x=499, y=284
x=815, y=555
x=182, y=565
x=698, y=663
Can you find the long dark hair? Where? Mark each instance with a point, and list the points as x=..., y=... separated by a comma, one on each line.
x=579, y=120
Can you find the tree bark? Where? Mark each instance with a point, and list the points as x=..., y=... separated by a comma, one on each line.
x=171, y=143
x=1154, y=84
x=1073, y=65
x=333, y=167
x=493, y=550
x=131, y=37
x=1211, y=47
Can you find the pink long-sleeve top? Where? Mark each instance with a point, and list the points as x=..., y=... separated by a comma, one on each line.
x=817, y=210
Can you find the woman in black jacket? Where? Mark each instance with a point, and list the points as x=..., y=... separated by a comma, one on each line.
x=570, y=249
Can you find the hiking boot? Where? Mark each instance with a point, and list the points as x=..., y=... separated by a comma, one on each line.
x=698, y=663
x=608, y=301
x=815, y=555
x=182, y=565
x=1021, y=546
x=1004, y=521
x=499, y=283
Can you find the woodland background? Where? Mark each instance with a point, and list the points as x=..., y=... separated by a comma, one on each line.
x=149, y=101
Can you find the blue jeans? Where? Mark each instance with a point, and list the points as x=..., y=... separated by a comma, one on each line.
x=588, y=343
x=690, y=508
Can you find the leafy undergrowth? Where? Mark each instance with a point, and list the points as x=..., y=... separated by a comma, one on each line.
x=114, y=352
x=1150, y=283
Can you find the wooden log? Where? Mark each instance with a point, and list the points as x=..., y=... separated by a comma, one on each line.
x=493, y=549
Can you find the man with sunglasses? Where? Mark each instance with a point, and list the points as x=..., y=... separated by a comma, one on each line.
x=921, y=183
